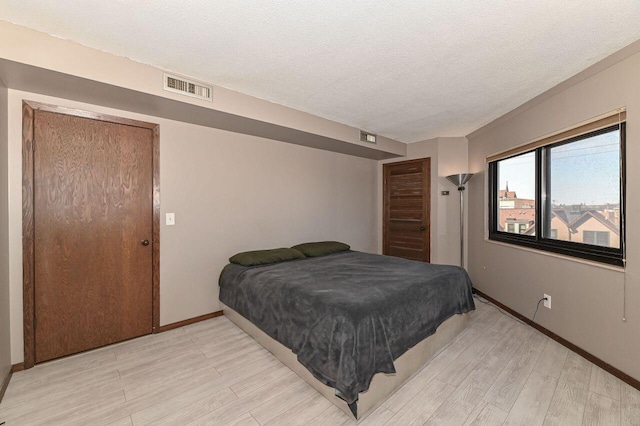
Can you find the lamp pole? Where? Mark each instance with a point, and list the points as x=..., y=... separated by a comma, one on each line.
x=459, y=180
x=461, y=191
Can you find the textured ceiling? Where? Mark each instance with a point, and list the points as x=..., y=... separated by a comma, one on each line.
x=409, y=70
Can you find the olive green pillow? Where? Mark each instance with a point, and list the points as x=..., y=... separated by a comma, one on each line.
x=321, y=248
x=265, y=257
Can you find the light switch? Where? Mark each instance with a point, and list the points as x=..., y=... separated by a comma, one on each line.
x=171, y=218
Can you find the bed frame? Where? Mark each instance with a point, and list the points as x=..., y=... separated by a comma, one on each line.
x=382, y=385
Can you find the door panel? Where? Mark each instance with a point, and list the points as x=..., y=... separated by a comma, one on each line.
x=406, y=209
x=93, y=188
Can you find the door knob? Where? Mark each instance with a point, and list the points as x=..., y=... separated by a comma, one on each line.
x=422, y=229
x=145, y=242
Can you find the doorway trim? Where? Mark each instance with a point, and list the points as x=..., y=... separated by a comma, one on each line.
x=28, y=243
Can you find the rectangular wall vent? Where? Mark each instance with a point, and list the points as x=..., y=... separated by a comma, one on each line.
x=173, y=83
x=367, y=137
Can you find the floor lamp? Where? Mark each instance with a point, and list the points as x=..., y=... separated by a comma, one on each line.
x=459, y=180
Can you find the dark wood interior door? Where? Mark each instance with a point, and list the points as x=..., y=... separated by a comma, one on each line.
x=93, y=217
x=407, y=198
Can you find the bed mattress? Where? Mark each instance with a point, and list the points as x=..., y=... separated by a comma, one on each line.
x=348, y=315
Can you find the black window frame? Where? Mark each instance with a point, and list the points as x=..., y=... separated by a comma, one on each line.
x=608, y=255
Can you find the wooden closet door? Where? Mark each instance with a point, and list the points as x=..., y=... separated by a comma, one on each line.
x=407, y=199
x=93, y=213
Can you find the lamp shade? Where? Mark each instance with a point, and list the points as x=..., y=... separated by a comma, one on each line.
x=460, y=179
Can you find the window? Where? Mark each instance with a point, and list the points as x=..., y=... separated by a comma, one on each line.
x=583, y=185
x=516, y=192
x=566, y=196
x=596, y=238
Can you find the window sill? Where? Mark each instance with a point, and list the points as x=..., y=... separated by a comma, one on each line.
x=558, y=256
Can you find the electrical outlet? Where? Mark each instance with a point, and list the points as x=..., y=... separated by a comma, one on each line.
x=547, y=303
x=171, y=219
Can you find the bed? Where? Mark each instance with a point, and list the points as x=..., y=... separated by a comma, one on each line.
x=341, y=319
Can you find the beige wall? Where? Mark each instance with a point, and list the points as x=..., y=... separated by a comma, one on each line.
x=53, y=53
x=448, y=156
x=587, y=299
x=230, y=192
x=5, y=351
x=452, y=159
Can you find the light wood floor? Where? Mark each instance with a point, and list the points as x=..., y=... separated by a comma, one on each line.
x=497, y=371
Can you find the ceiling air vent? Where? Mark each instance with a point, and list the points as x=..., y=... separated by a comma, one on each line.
x=187, y=87
x=367, y=137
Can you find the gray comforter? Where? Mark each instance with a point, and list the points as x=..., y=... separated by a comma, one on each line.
x=348, y=315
